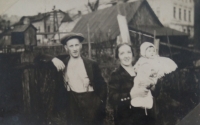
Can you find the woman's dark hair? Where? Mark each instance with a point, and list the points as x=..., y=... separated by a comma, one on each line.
x=117, y=49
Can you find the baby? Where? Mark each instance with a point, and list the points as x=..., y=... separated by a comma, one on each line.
x=149, y=68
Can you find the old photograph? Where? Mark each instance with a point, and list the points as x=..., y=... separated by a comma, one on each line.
x=99, y=62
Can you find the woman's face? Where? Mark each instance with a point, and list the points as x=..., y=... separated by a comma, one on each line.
x=125, y=55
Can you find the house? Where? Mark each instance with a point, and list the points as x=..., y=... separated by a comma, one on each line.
x=24, y=35
x=103, y=22
x=46, y=23
x=18, y=37
x=101, y=27
x=138, y=14
x=176, y=14
x=67, y=26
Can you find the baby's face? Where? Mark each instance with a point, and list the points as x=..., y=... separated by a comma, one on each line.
x=150, y=52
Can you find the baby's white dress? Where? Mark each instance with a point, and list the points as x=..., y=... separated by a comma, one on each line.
x=148, y=72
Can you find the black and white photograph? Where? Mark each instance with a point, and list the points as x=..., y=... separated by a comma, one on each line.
x=99, y=62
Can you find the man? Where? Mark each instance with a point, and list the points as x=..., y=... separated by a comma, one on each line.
x=83, y=79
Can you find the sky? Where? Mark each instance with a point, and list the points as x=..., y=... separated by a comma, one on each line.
x=33, y=7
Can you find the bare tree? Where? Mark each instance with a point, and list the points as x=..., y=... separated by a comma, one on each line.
x=3, y=23
x=7, y=24
x=93, y=5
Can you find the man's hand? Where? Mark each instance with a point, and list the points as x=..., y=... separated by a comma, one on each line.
x=58, y=64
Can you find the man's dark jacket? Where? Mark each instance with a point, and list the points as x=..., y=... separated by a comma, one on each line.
x=92, y=69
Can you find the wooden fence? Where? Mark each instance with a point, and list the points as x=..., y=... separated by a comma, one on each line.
x=39, y=88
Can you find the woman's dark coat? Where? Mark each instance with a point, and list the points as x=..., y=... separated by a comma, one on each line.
x=120, y=85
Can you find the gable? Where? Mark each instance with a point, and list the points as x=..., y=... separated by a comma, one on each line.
x=145, y=17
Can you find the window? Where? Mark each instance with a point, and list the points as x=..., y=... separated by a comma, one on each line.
x=180, y=13
x=185, y=15
x=189, y=14
x=188, y=31
x=174, y=12
x=39, y=41
x=38, y=29
x=48, y=28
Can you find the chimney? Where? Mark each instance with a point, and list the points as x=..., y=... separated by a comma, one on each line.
x=114, y=2
x=79, y=13
x=26, y=21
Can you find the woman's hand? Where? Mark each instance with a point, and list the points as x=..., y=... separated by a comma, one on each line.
x=139, y=92
x=143, y=82
x=152, y=88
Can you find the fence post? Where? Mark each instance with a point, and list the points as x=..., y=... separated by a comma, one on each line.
x=156, y=44
x=26, y=91
x=89, y=44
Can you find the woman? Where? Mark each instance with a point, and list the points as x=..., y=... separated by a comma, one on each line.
x=120, y=84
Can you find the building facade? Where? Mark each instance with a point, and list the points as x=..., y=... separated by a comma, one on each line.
x=176, y=14
x=47, y=24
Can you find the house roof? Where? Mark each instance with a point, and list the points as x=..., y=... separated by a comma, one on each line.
x=160, y=31
x=105, y=20
x=19, y=28
x=38, y=17
x=34, y=18
x=22, y=28
x=41, y=16
x=67, y=18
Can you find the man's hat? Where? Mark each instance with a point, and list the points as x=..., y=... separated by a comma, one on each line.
x=72, y=35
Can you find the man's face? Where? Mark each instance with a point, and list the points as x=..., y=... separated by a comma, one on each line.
x=73, y=46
